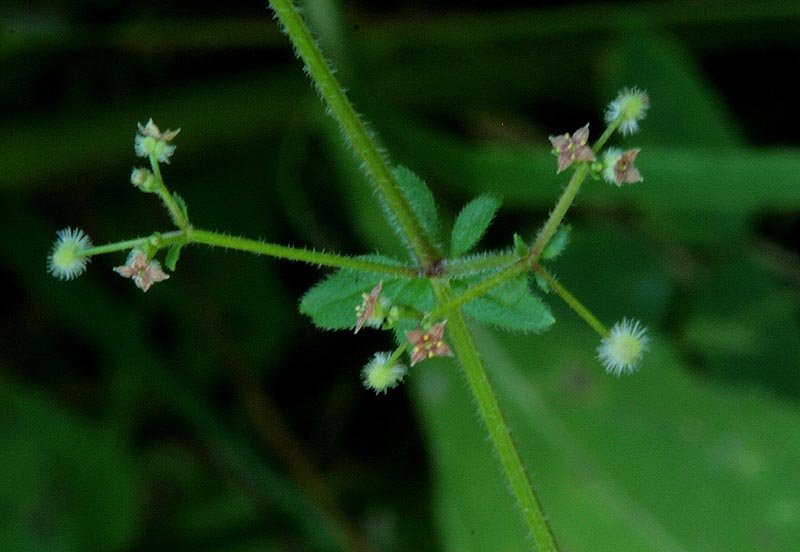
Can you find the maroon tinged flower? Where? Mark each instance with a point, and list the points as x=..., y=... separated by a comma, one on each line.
x=625, y=172
x=143, y=272
x=572, y=148
x=427, y=344
x=366, y=310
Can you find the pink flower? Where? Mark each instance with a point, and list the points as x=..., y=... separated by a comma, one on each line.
x=572, y=148
x=366, y=310
x=151, y=129
x=427, y=344
x=624, y=170
x=144, y=273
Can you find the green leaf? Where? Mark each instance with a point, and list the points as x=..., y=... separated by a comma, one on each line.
x=173, y=255
x=520, y=247
x=472, y=223
x=181, y=205
x=420, y=198
x=542, y=283
x=331, y=303
x=511, y=306
x=557, y=243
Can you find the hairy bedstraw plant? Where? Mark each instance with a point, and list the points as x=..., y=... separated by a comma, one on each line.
x=423, y=300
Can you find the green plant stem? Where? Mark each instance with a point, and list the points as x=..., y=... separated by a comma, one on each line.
x=196, y=235
x=558, y=213
x=463, y=344
x=293, y=254
x=172, y=206
x=495, y=423
x=452, y=303
x=355, y=132
x=163, y=240
x=525, y=264
x=570, y=300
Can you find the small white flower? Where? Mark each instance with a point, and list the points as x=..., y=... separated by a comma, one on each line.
x=382, y=373
x=150, y=140
x=66, y=260
x=610, y=158
x=622, y=350
x=630, y=106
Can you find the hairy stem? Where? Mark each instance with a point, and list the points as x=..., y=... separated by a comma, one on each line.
x=495, y=423
x=169, y=202
x=572, y=301
x=354, y=130
x=558, y=213
x=547, y=232
x=196, y=235
x=294, y=254
x=478, y=290
x=378, y=169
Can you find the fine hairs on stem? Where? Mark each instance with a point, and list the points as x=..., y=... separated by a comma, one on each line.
x=381, y=293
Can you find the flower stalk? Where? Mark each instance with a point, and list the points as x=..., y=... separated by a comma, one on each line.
x=216, y=239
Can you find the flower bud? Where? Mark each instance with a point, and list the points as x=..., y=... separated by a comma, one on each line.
x=143, y=179
x=66, y=260
x=621, y=351
x=382, y=373
x=628, y=108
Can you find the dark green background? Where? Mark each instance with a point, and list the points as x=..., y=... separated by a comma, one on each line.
x=149, y=422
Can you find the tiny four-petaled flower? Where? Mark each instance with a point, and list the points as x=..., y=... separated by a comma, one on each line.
x=427, y=344
x=619, y=168
x=622, y=349
x=144, y=272
x=151, y=141
x=371, y=312
x=572, y=148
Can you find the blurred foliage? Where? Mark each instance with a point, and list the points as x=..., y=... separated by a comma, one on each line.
x=174, y=420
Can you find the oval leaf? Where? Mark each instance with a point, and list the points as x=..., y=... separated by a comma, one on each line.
x=472, y=223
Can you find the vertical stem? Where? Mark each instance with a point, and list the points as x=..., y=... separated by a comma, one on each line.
x=354, y=129
x=378, y=170
x=496, y=425
x=172, y=206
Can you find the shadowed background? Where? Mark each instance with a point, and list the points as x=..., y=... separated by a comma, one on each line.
x=209, y=415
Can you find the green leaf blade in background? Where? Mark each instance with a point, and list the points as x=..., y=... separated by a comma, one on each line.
x=654, y=462
x=472, y=223
x=66, y=484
